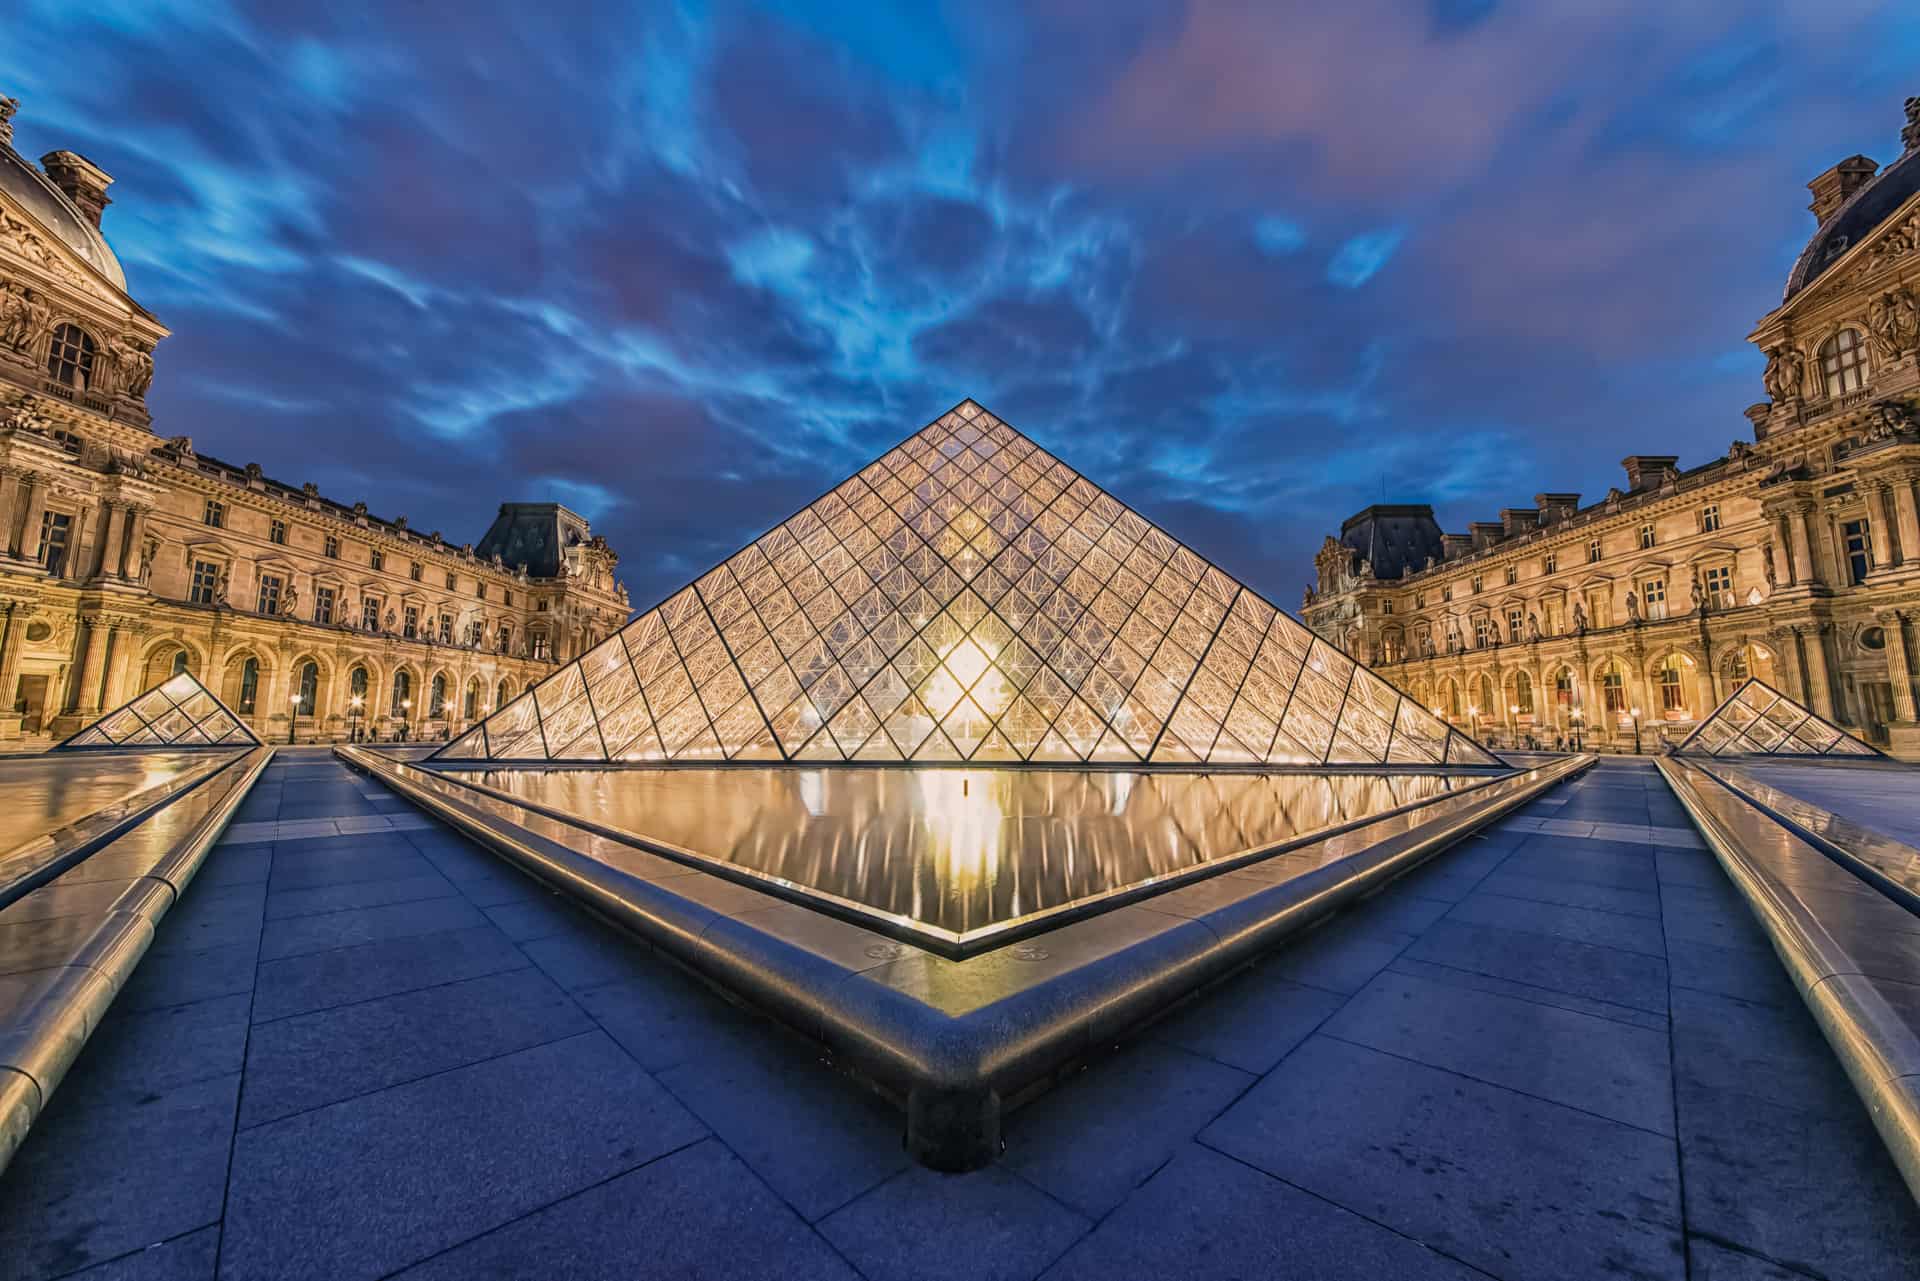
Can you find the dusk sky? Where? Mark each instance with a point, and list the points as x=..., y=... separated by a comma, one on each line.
x=682, y=267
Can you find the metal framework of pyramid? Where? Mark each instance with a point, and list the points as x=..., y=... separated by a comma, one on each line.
x=178, y=712
x=1758, y=720
x=967, y=597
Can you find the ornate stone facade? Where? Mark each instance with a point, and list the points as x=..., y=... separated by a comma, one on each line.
x=124, y=556
x=1794, y=558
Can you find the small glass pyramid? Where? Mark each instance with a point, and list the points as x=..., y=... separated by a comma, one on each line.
x=967, y=597
x=178, y=712
x=1758, y=720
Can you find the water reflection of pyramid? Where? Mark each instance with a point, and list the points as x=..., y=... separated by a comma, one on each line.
x=967, y=597
x=178, y=712
x=1761, y=721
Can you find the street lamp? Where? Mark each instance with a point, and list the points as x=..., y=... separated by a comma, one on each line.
x=1575, y=717
x=406, y=718
x=1513, y=718
x=293, y=719
x=1635, y=714
x=1473, y=718
x=353, y=725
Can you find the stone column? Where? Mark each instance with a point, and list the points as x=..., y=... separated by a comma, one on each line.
x=86, y=697
x=114, y=539
x=136, y=541
x=1880, y=527
x=1804, y=571
x=1820, y=690
x=1899, y=675
x=13, y=630
x=1906, y=520
x=30, y=517
x=9, y=507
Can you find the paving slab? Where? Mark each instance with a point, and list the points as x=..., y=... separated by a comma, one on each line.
x=1590, y=971
x=184, y=1258
x=921, y=1226
x=301, y=934
x=342, y=976
x=1250, y=1022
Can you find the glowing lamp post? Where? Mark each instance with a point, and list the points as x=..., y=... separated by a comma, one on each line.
x=293, y=718
x=406, y=718
x=1635, y=714
x=353, y=725
x=1574, y=716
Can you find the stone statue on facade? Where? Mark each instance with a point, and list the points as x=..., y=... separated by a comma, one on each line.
x=220, y=586
x=1533, y=627
x=392, y=618
x=1493, y=630
x=1699, y=596
x=1893, y=319
x=1579, y=618
x=1766, y=565
x=288, y=601
x=1786, y=370
x=1633, y=607
x=24, y=317
x=149, y=551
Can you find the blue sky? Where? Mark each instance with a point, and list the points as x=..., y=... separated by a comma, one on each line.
x=682, y=266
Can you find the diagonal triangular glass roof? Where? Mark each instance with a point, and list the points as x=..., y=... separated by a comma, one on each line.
x=1758, y=720
x=967, y=597
x=178, y=712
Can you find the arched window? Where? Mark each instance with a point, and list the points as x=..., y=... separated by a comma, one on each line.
x=1739, y=671
x=439, y=706
x=1563, y=687
x=70, y=357
x=249, y=684
x=472, y=710
x=357, y=683
x=179, y=662
x=309, y=688
x=1523, y=693
x=1483, y=696
x=1843, y=363
x=1673, y=686
x=1613, y=689
x=503, y=695
x=1451, y=701
x=402, y=692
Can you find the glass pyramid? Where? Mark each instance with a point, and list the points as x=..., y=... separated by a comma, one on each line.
x=178, y=712
x=967, y=597
x=1758, y=720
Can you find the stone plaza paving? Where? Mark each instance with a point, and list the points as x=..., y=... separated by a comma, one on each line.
x=362, y=1047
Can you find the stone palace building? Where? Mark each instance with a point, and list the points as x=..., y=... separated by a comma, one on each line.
x=1795, y=558
x=125, y=556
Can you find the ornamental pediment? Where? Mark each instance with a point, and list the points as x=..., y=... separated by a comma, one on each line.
x=207, y=545
x=26, y=244
x=1595, y=580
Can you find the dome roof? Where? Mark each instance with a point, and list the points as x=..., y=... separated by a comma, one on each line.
x=22, y=180
x=1855, y=220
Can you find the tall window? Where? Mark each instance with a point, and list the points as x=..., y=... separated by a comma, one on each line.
x=1386, y=606
x=179, y=661
x=269, y=602
x=331, y=547
x=1479, y=630
x=1516, y=624
x=376, y=559
x=1653, y=598
x=506, y=637
x=1647, y=538
x=1613, y=690
x=410, y=625
x=1477, y=580
x=249, y=685
x=503, y=695
x=70, y=357
x=472, y=710
x=214, y=514
x=56, y=532
x=539, y=646
x=206, y=581
x=439, y=706
x=1550, y=563
x=1673, y=688
x=1709, y=518
x=1523, y=693
x=1718, y=582
x=1593, y=550
x=446, y=629
x=1563, y=687
x=414, y=571
x=480, y=590
x=1843, y=363
x=323, y=604
x=402, y=692
x=370, y=613
x=1856, y=534
x=452, y=581
x=357, y=683
x=309, y=688
x=1513, y=575
x=277, y=532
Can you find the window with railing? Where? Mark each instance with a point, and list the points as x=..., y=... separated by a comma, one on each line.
x=1843, y=363
x=70, y=355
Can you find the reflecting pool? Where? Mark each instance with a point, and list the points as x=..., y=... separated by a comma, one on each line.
x=956, y=852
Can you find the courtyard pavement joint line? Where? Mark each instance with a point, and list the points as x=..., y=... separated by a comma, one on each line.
x=1866, y=1014
x=953, y=1040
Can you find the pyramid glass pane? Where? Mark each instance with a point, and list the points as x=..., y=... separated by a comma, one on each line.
x=968, y=597
x=1758, y=720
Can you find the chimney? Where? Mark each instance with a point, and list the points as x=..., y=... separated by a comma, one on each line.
x=7, y=107
x=84, y=182
x=1519, y=520
x=1831, y=189
x=1485, y=533
x=1555, y=507
x=1909, y=135
x=1453, y=546
x=1647, y=470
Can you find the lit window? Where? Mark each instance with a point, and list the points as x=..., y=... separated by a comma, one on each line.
x=323, y=604
x=70, y=357
x=1709, y=518
x=1843, y=363
x=206, y=581
x=1653, y=598
x=1859, y=543
x=1718, y=582
x=277, y=532
x=1523, y=693
x=539, y=646
x=214, y=514
x=1593, y=550
x=402, y=692
x=249, y=685
x=331, y=547
x=1613, y=690
x=1647, y=538
x=1673, y=689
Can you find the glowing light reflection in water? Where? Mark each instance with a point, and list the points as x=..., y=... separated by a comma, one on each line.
x=961, y=850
